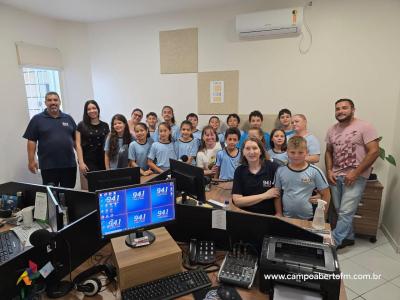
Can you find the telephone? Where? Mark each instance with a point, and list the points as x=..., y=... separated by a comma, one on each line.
x=201, y=252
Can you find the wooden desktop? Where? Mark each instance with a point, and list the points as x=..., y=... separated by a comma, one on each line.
x=219, y=192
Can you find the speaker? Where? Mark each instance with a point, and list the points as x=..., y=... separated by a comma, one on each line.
x=90, y=286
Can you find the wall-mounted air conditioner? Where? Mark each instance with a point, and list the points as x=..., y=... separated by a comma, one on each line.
x=271, y=23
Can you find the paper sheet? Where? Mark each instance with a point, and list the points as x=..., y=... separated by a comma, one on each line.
x=40, y=206
x=283, y=292
x=218, y=219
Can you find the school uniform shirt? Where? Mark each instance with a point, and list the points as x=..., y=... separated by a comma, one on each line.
x=139, y=152
x=160, y=154
x=313, y=146
x=297, y=187
x=246, y=183
x=152, y=133
x=121, y=159
x=227, y=164
x=282, y=156
x=197, y=134
x=207, y=158
x=186, y=148
x=221, y=138
x=245, y=134
x=175, y=133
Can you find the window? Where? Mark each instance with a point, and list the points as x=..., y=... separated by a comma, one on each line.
x=37, y=83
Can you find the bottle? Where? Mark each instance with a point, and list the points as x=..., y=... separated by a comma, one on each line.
x=319, y=216
x=226, y=204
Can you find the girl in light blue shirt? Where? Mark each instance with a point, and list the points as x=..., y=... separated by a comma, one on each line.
x=167, y=113
x=139, y=149
x=161, y=151
x=186, y=145
x=278, y=145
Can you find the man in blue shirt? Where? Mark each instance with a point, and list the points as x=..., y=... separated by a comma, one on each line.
x=52, y=132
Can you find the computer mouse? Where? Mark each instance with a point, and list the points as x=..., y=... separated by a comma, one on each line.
x=226, y=293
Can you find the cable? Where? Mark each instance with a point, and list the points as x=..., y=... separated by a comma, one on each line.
x=309, y=32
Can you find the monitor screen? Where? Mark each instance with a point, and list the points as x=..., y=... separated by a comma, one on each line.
x=106, y=179
x=138, y=207
x=189, y=179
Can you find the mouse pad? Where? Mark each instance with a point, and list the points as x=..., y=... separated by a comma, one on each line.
x=210, y=293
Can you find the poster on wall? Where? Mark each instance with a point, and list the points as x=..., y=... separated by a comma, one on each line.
x=216, y=91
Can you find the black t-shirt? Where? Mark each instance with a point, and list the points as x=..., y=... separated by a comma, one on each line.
x=93, y=138
x=246, y=183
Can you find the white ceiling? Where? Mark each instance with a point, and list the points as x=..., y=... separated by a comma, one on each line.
x=101, y=10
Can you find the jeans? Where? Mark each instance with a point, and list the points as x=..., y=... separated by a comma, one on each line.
x=345, y=199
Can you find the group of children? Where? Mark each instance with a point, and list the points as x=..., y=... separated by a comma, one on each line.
x=150, y=146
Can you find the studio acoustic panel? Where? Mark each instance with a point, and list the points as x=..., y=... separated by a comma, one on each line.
x=179, y=51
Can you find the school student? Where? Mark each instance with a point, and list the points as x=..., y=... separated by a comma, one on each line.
x=285, y=122
x=228, y=159
x=161, y=151
x=140, y=148
x=151, y=120
x=117, y=143
x=255, y=120
x=167, y=113
x=278, y=146
x=298, y=179
x=194, y=119
x=233, y=121
x=207, y=155
x=215, y=123
x=186, y=146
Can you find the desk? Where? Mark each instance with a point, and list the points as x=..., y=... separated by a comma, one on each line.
x=218, y=192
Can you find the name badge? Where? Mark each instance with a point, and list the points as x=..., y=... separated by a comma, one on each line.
x=267, y=183
x=65, y=124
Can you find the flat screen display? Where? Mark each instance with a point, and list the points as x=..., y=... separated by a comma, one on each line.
x=136, y=207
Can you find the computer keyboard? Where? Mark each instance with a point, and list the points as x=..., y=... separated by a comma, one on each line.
x=169, y=287
x=9, y=246
x=24, y=232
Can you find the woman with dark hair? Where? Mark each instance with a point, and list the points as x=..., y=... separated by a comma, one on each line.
x=136, y=117
x=117, y=143
x=90, y=136
x=253, y=181
x=167, y=114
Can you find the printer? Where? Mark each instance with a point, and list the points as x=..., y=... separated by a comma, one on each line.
x=299, y=263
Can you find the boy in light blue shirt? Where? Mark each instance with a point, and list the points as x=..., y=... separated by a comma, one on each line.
x=229, y=158
x=298, y=180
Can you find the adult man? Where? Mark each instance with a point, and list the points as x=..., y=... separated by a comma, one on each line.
x=352, y=147
x=54, y=131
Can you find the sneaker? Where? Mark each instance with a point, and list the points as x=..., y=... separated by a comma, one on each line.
x=345, y=243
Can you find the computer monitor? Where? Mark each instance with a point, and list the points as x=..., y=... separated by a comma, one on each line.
x=106, y=179
x=132, y=209
x=54, y=216
x=189, y=180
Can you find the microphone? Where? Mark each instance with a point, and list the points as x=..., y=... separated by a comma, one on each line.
x=41, y=238
x=184, y=158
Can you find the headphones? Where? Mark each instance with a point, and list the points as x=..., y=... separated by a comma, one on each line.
x=90, y=286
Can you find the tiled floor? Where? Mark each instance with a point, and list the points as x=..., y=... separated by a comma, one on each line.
x=375, y=259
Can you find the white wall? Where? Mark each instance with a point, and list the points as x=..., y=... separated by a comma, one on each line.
x=391, y=220
x=71, y=39
x=354, y=54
